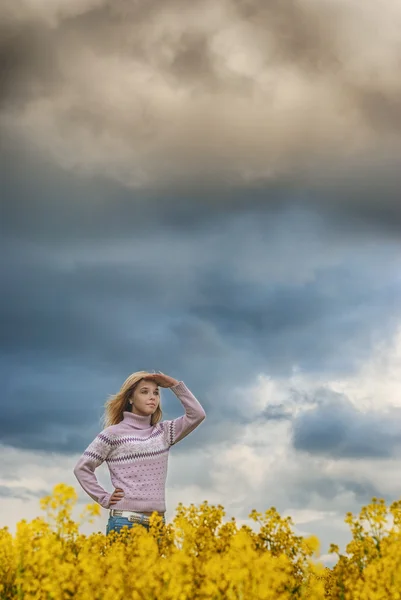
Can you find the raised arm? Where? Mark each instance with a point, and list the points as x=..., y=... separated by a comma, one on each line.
x=177, y=429
x=95, y=454
x=194, y=414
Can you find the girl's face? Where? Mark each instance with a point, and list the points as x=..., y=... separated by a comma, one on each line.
x=146, y=398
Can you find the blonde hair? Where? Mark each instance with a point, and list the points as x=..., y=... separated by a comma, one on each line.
x=120, y=402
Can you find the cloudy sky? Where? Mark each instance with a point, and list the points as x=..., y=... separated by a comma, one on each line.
x=209, y=189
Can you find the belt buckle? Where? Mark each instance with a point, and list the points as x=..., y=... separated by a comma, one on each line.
x=135, y=518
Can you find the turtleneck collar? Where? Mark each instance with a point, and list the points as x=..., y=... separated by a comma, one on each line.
x=136, y=421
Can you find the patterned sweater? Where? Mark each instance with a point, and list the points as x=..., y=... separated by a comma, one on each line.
x=136, y=454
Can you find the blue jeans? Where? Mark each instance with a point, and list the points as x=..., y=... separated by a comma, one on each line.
x=117, y=523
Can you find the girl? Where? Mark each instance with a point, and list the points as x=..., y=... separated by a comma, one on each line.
x=135, y=444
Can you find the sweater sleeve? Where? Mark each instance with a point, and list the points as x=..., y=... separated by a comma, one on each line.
x=179, y=428
x=95, y=454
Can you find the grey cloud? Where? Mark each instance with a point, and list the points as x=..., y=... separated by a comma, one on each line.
x=292, y=321
x=211, y=304
x=56, y=207
x=276, y=413
x=360, y=197
x=27, y=67
x=321, y=492
x=251, y=93
x=301, y=34
x=43, y=417
x=21, y=493
x=337, y=429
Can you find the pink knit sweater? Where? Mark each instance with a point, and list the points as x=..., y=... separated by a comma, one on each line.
x=136, y=454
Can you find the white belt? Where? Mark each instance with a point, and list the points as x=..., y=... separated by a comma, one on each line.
x=131, y=515
x=115, y=512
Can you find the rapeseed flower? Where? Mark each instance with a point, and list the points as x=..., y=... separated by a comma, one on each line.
x=198, y=556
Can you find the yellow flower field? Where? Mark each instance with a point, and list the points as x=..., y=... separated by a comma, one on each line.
x=199, y=556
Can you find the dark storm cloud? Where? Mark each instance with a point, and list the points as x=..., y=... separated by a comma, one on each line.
x=337, y=429
x=302, y=33
x=305, y=323
x=49, y=205
x=48, y=309
x=98, y=282
x=24, y=53
x=299, y=35
x=239, y=93
x=75, y=325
